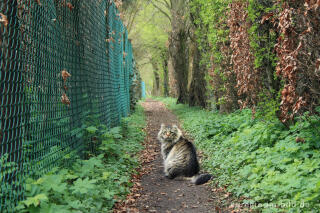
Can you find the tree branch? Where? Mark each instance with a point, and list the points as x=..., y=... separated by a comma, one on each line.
x=130, y=24
x=164, y=3
x=169, y=6
x=161, y=10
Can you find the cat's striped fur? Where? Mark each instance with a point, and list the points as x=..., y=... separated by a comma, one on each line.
x=179, y=155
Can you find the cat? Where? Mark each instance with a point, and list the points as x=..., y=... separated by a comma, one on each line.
x=179, y=155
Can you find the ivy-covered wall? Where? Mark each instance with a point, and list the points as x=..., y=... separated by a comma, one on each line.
x=261, y=54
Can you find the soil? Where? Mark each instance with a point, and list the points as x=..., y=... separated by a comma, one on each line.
x=153, y=192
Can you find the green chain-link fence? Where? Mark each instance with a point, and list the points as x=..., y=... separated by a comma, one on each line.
x=43, y=109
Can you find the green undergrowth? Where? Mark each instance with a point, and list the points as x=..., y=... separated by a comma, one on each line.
x=96, y=183
x=270, y=167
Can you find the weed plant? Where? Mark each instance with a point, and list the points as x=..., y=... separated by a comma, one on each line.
x=96, y=183
x=270, y=167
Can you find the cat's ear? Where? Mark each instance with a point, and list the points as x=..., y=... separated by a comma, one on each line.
x=178, y=132
x=162, y=126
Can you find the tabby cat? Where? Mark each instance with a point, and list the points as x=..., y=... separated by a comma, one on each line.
x=179, y=155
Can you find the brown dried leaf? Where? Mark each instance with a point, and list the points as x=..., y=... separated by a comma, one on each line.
x=266, y=17
x=288, y=68
x=318, y=63
x=317, y=5
x=3, y=19
x=300, y=140
x=70, y=6
x=65, y=99
x=65, y=75
x=227, y=194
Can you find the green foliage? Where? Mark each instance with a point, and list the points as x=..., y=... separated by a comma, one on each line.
x=8, y=185
x=262, y=35
x=150, y=32
x=268, y=106
x=7, y=167
x=264, y=162
x=212, y=32
x=263, y=39
x=95, y=184
x=91, y=129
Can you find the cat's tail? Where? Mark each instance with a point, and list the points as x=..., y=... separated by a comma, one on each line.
x=201, y=179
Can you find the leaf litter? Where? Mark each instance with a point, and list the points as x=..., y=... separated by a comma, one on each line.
x=152, y=192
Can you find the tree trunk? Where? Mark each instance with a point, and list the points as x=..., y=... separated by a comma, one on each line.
x=197, y=91
x=179, y=53
x=173, y=91
x=156, y=82
x=178, y=48
x=165, y=77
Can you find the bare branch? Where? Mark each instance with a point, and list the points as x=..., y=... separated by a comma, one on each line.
x=161, y=10
x=164, y=3
x=169, y=5
x=134, y=14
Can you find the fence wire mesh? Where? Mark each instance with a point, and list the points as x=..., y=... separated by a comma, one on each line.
x=63, y=62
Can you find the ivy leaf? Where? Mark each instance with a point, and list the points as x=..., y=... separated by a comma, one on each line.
x=71, y=177
x=83, y=186
x=108, y=194
x=89, y=165
x=76, y=204
x=106, y=175
x=36, y=200
x=54, y=182
x=91, y=129
x=116, y=132
x=53, y=208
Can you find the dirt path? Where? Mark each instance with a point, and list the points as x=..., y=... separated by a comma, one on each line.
x=155, y=193
x=152, y=192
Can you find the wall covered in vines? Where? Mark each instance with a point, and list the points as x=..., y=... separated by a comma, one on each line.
x=261, y=52
x=299, y=57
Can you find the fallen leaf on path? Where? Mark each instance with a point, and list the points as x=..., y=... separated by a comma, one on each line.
x=227, y=195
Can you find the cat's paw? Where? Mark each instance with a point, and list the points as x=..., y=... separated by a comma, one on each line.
x=169, y=176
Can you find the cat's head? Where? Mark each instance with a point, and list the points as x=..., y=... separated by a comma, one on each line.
x=169, y=133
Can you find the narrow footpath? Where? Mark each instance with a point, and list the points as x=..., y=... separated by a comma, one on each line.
x=152, y=192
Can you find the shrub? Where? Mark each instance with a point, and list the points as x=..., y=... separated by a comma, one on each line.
x=95, y=184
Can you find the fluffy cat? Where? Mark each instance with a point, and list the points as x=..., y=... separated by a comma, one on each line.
x=179, y=155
